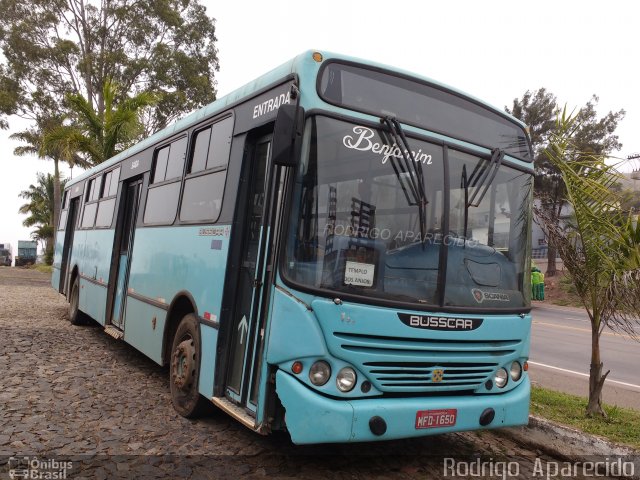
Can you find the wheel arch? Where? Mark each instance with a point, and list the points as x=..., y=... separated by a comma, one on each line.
x=182, y=304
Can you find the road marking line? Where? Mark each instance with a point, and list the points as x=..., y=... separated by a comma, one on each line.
x=613, y=334
x=581, y=320
x=583, y=374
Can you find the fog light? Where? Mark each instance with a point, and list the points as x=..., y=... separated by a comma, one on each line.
x=515, y=371
x=487, y=416
x=346, y=379
x=377, y=425
x=319, y=373
x=501, y=378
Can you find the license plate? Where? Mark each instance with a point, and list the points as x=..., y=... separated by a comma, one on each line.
x=436, y=418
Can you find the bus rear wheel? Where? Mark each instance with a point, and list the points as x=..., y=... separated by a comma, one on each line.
x=76, y=317
x=185, y=369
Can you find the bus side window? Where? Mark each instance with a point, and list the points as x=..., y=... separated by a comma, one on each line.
x=220, y=143
x=202, y=196
x=89, y=215
x=162, y=200
x=106, y=184
x=95, y=188
x=63, y=211
x=107, y=198
x=160, y=170
x=200, y=151
x=90, y=205
x=113, y=189
x=175, y=164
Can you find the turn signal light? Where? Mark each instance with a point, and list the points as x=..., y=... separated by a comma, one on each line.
x=525, y=367
x=296, y=367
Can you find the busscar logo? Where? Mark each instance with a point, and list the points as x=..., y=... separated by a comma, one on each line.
x=480, y=296
x=431, y=322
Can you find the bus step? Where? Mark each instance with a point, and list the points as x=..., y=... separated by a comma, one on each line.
x=114, y=332
x=236, y=412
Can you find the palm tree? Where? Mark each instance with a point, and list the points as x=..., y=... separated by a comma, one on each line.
x=600, y=247
x=40, y=209
x=34, y=138
x=99, y=137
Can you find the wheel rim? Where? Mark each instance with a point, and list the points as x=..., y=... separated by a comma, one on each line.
x=183, y=364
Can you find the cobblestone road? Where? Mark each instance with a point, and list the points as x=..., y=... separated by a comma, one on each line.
x=76, y=394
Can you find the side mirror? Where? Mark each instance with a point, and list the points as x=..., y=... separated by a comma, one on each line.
x=287, y=133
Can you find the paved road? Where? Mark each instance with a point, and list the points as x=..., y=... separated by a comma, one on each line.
x=75, y=394
x=560, y=355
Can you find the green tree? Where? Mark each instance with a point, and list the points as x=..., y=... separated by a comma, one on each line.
x=8, y=97
x=56, y=47
x=39, y=210
x=593, y=135
x=33, y=140
x=99, y=137
x=600, y=247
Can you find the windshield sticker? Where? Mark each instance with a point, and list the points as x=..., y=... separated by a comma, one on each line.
x=431, y=322
x=480, y=296
x=361, y=141
x=359, y=274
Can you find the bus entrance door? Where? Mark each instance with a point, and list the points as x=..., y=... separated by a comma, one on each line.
x=124, y=246
x=247, y=329
x=70, y=228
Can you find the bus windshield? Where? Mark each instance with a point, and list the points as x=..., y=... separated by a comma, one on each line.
x=422, y=105
x=356, y=226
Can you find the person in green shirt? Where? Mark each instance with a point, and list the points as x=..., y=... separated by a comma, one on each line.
x=537, y=284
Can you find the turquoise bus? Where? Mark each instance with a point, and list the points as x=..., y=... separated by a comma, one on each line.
x=338, y=249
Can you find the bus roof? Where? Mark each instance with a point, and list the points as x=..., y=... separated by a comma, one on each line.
x=298, y=64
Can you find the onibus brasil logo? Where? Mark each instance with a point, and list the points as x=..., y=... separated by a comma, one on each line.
x=38, y=468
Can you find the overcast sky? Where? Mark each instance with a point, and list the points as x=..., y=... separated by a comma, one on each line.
x=494, y=50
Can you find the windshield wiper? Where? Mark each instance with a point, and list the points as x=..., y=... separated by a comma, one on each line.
x=479, y=178
x=413, y=169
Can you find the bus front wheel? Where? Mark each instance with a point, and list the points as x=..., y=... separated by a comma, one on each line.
x=185, y=368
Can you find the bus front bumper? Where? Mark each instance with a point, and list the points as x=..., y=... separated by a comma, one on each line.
x=313, y=418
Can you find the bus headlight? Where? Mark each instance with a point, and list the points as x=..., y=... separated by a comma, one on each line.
x=346, y=379
x=515, y=371
x=319, y=373
x=501, y=378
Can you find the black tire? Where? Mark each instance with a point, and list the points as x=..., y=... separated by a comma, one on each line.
x=76, y=317
x=184, y=369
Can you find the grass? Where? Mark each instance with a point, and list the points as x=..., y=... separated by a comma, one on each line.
x=42, y=268
x=621, y=426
